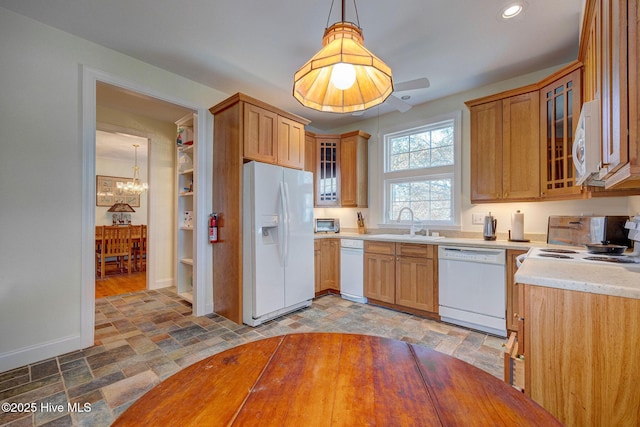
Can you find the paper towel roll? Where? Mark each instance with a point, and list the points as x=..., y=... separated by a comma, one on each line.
x=517, y=226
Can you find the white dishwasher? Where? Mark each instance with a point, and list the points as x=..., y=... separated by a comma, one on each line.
x=472, y=288
x=352, y=270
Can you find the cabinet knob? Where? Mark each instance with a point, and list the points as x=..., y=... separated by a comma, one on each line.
x=515, y=314
x=505, y=195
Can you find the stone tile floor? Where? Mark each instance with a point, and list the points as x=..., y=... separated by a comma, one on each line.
x=144, y=337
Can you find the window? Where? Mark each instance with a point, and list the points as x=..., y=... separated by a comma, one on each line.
x=421, y=171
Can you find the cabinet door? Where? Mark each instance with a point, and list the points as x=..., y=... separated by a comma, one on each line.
x=592, y=47
x=513, y=306
x=354, y=171
x=416, y=284
x=615, y=92
x=260, y=133
x=291, y=143
x=486, y=151
x=310, y=153
x=559, y=109
x=330, y=261
x=317, y=265
x=328, y=172
x=379, y=277
x=520, y=147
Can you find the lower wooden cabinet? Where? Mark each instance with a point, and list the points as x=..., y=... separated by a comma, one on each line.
x=580, y=355
x=512, y=290
x=379, y=277
x=327, y=266
x=417, y=277
x=401, y=275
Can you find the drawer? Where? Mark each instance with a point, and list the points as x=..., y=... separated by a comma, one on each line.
x=385, y=248
x=415, y=250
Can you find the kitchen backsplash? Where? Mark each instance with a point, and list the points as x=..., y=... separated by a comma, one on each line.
x=536, y=215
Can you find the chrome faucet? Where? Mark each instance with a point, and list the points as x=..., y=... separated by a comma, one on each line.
x=412, y=231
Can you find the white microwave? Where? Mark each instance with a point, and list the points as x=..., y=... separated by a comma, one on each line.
x=586, y=144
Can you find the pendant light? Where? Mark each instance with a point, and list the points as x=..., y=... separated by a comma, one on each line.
x=343, y=77
x=135, y=186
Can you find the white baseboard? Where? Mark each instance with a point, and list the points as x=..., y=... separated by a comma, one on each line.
x=159, y=284
x=35, y=353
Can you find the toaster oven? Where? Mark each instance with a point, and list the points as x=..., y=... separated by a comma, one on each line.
x=327, y=225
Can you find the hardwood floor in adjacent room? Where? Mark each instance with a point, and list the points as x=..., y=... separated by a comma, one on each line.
x=118, y=284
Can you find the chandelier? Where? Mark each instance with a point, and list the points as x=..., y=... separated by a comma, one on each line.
x=135, y=186
x=343, y=77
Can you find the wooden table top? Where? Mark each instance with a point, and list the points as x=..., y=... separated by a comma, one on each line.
x=327, y=379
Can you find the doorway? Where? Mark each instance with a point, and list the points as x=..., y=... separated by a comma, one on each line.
x=118, y=155
x=109, y=99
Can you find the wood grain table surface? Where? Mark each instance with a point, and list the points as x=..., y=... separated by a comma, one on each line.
x=329, y=379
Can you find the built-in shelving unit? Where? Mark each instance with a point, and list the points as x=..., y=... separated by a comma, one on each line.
x=186, y=206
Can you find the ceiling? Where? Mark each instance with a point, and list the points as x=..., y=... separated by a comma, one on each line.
x=120, y=146
x=255, y=47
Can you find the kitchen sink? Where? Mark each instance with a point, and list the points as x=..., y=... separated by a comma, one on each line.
x=406, y=237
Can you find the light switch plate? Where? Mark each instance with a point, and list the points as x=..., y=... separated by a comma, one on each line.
x=477, y=218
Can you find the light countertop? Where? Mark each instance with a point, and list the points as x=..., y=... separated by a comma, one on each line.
x=455, y=241
x=621, y=280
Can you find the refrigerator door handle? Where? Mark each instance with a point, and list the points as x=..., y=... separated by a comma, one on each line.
x=286, y=224
x=283, y=243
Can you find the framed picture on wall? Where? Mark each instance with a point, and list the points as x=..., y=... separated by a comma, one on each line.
x=107, y=192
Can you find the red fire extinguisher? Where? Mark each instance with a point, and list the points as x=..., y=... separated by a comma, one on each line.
x=213, y=228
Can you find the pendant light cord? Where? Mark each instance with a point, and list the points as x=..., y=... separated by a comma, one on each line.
x=329, y=17
x=355, y=7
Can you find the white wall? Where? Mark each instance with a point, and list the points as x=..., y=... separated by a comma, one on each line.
x=41, y=177
x=536, y=213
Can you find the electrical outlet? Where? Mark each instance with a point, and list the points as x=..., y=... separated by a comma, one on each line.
x=477, y=218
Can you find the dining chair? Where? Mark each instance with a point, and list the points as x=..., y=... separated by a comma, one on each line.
x=136, y=234
x=143, y=248
x=98, y=236
x=114, y=248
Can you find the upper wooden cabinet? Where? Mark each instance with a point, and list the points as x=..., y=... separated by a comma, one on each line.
x=610, y=50
x=354, y=172
x=327, y=176
x=270, y=135
x=560, y=101
x=309, y=152
x=504, y=147
x=260, y=134
x=291, y=143
x=341, y=168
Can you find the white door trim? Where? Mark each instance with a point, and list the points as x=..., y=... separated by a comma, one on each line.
x=90, y=77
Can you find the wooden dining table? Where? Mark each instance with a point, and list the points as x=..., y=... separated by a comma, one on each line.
x=331, y=379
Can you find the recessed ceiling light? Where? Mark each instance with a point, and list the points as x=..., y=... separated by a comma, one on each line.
x=512, y=10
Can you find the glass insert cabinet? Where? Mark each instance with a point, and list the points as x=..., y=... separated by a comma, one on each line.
x=560, y=104
x=328, y=188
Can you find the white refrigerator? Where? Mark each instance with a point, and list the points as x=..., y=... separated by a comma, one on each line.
x=278, y=264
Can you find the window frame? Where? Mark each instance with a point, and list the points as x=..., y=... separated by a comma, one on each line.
x=408, y=175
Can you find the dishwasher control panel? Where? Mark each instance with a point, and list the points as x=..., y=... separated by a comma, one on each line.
x=352, y=243
x=488, y=256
